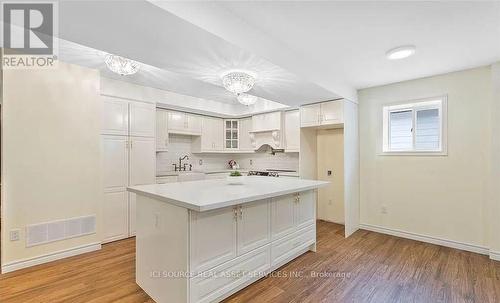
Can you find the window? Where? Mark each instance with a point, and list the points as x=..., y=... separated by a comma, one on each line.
x=415, y=128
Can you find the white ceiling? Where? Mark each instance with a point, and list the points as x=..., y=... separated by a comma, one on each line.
x=342, y=45
x=180, y=56
x=303, y=51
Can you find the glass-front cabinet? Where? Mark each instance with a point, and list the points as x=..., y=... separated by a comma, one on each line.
x=231, y=134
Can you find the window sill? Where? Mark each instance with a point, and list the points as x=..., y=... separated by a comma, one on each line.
x=415, y=153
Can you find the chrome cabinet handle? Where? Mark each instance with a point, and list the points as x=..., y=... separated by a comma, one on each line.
x=241, y=212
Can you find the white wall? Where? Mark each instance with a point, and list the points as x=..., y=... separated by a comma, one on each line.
x=50, y=154
x=330, y=156
x=494, y=197
x=438, y=196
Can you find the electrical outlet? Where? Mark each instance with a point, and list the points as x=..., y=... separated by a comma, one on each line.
x=383, y=209
x=200, y=162
x=330, y=202
x=251, y=162
x=15, y=234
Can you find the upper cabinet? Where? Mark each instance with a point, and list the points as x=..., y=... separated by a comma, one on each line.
x=332, y=112
x=123, y=117
x=266, y=122
x=211, y=139
x=321, y=114
x=231, y=134
x=142, y=119
x=245, y=142
x=184, y=123
x=310, y=115
x=161, y=130
x=292, y=131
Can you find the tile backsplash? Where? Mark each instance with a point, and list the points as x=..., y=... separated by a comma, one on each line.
x=180, y=145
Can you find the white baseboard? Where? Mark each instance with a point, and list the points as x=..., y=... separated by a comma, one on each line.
x=16, y=265
x=429, y=239
x=495, y=255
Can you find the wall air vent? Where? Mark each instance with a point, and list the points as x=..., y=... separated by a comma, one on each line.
x=42, y=233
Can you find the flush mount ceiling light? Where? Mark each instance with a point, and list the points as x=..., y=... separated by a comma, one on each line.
x=121, y=65
x=238, y=82
x=246, y=99
x=400, y=52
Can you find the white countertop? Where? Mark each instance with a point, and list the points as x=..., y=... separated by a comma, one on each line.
x=206, y=195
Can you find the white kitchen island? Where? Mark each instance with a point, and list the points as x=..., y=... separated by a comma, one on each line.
x=201, y=241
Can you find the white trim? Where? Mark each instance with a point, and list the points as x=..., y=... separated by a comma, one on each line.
x=20, y=264
x=495, y=255
x=438, y=102
x=428, y=239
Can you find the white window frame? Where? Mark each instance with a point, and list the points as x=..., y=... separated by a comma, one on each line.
x=439, y=103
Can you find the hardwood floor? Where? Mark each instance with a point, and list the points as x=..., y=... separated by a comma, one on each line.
x=367, y=267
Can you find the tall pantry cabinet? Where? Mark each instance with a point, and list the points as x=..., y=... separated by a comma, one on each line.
x=128, y=158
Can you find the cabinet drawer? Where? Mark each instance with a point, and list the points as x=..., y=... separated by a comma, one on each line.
x=220, y=281
x=283, y=249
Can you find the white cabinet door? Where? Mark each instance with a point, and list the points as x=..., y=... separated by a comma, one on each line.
x=115, y=216
x=332, y=112
x=207, y=133
x=217, y=134
x=114, y=162
x=184, y=123
x=193, y=124
x=266, y=122
x=212, y=238
x=310, y=115
x=254, y=225
x=305, y=209
x=231, y=134
x=292, y=130
x=142, y=161
x=132, y=198
x=142, y=119
x=282, y=216
x=245, y=143
x=211, y=135
x=212, y=285
x=177, y=122
x=161, y=130
x=114, y=118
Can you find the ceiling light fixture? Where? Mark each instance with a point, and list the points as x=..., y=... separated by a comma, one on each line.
x=237, y=81
x=121, y=65
x=246, y=99
x=401, y=52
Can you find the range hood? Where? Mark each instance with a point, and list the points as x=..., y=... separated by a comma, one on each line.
x=266, y=134
x=266, y=148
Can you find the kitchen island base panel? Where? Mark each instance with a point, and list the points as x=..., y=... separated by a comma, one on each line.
x=176, y=263
x=161, y=247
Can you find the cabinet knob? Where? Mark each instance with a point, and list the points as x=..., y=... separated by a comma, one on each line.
x=241, y=212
